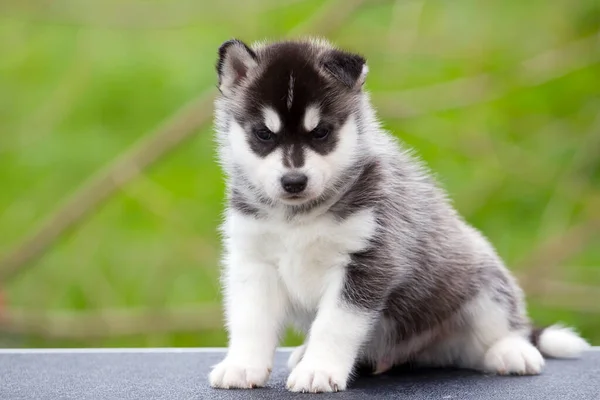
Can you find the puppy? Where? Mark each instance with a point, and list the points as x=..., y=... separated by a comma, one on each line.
x=332, y=226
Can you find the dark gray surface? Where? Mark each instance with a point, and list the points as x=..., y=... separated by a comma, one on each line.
x=182, y=374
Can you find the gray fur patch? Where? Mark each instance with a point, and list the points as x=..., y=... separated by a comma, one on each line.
x=364, y=193
x=239, y=203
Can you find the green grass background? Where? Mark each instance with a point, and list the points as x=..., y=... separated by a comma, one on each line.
x=81, y=81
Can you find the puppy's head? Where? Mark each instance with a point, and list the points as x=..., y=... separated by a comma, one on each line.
x=291, y=115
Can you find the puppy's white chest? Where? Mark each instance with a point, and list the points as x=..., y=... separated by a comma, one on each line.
x=310, y=257
x=306, y=261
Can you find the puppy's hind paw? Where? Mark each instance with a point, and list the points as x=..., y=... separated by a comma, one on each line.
x=513, y=356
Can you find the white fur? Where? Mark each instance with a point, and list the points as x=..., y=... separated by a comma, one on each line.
x=272, y=120
x=331, y=352
x=513, y=355
x=306, y=256
x=323, y=170
x=294, y=270
x=264, y=172
x=561, y=342
x=365, y=71
x=312, y=116
x=229, y=375
x=296, y=356
x=363, y=75
x=255, y=306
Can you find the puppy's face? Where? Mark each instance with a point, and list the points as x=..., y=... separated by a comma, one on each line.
x=291, y=126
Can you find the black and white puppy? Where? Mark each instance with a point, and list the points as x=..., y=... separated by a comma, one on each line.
x=334, y=227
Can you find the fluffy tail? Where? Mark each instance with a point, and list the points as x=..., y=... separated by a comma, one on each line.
x=557, y=341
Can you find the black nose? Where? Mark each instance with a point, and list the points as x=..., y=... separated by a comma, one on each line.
x=294, y=182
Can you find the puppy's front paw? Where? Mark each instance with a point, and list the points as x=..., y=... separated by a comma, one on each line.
x=228, y=375
x=315, y=378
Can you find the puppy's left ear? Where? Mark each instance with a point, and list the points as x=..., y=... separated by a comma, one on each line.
x=236, y=61
x=348, y=68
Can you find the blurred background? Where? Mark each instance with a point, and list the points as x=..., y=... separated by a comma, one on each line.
x=110, y=196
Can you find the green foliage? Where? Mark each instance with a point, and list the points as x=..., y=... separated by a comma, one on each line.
x=80, y=84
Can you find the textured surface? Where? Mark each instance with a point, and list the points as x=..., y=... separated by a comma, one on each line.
x=181, y=374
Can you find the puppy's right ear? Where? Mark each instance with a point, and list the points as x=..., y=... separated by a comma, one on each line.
x=236, y=60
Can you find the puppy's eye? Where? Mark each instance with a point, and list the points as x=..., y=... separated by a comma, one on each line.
x=264, y=135
x=320, y=132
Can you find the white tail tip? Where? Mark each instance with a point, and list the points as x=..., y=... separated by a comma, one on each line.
x=561, y=342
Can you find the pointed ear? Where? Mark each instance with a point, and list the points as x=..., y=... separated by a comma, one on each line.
x=236, y=60
x=350, y=69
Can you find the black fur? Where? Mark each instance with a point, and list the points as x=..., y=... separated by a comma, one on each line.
x=271, y=90
x=363, y=284
x=534, y=336
x=296, y=60
x=223, y=54
x=346, y=67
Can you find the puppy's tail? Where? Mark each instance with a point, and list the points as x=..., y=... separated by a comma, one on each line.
x=558, y=341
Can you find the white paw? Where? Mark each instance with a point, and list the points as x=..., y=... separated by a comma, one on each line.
x=296, y=356
x=316, y=378
x=513, y=355
x=227, y=375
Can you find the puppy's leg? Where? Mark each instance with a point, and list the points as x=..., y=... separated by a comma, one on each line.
x=255, y=305
x=490, y=337
x=336, y=336
x=490, y=343
x=335, y=339
x=522, y=354
x=296, y=356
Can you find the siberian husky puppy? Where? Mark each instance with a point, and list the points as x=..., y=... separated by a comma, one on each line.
x=334, y=227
